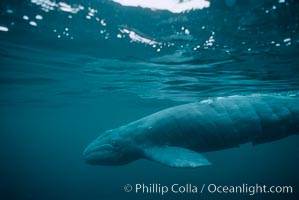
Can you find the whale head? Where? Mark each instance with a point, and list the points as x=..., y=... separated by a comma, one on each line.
x=110, y=149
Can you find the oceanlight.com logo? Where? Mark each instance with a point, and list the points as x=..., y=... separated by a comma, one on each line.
x=157, y=188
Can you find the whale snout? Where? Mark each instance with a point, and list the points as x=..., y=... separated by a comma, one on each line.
x=93, y=149
x=98, y=154
x=111, y=149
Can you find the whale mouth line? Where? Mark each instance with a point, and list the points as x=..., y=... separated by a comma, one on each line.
x=89, y=151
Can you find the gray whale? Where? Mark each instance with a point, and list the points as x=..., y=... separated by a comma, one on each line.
x=177, y=136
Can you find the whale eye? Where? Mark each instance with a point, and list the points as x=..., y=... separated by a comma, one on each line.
x=115, y=143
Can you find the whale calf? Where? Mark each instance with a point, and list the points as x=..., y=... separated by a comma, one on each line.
x=177, y=136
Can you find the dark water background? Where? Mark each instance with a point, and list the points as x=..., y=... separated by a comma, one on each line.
x=67, y=77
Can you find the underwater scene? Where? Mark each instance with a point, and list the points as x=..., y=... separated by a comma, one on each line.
x=149, y=99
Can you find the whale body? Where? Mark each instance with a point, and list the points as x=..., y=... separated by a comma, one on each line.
x=177, y=136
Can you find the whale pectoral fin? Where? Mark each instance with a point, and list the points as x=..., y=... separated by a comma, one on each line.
x=176, y=157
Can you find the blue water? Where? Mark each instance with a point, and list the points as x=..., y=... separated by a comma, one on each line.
x=71, y=70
